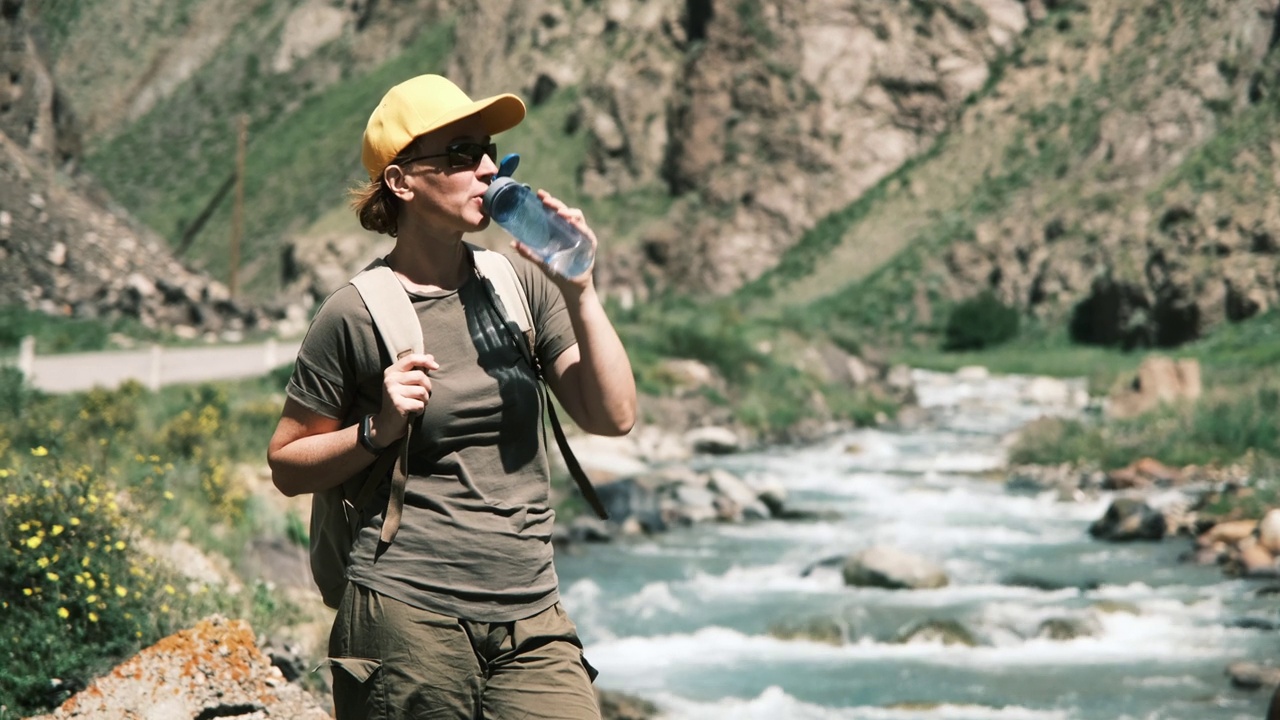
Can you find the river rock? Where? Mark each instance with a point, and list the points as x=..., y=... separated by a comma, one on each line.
x=744, y=503
x=1269, y=531
x=1159, y=380
x=946, y=632
x=1143, y=473
x=1067, y=628
x=1129, y=519
x=887, y=567
x=820, y=630
x=1252, y=676
x=1230, y=532
x=635, y=500
x=713, y=440
x=619, y=706
x=1255, y=560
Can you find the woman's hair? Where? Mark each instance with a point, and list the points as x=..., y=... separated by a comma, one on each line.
x=376, y=207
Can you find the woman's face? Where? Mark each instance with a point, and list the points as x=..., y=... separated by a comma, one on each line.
x=444, y=179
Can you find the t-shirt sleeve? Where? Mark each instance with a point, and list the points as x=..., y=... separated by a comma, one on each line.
x=326, y=376
x=553, y=331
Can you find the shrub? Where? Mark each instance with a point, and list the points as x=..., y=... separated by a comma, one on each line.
x=980, y=322
x=73, y=592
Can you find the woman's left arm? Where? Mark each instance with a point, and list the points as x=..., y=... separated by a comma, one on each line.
x=592, y=378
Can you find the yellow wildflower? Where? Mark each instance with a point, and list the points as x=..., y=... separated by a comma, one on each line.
x=164, y=608
x=43, y=562
x=24, y=527
x=64, y=613
x=40, y=451
x=56, y=530
x=93, y=617
x=169, y=589
x=121, y=590
x=74, y=521
x=53, y=576
x=91, y=599
x=120, y=545
x=34, y=541
x=26, y=591
x=168, y=495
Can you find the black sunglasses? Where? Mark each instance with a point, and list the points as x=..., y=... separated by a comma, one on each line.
x=461, y=155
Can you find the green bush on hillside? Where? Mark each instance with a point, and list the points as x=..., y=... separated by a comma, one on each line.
x=89, y=481
x=980, y=322
x=72, y=588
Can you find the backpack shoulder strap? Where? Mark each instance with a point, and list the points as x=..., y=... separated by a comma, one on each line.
x=498, y=270
x=388, y=303
x=401, y=331
x=501, y=274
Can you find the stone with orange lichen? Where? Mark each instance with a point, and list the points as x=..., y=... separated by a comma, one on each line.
x=212, y=669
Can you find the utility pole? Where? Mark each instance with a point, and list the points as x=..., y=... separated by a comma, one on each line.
x=237, y=217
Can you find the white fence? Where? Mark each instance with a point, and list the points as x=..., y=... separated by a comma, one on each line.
x=153, y=367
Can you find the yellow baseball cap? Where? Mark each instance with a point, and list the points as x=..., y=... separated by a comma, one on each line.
x=422, y=104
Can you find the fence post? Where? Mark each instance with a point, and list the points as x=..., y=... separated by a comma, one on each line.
x=271, y=352
x=153, y=377
x=27, y=356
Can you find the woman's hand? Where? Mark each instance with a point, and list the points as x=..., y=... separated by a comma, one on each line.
x=575, y=218
x=406, y=390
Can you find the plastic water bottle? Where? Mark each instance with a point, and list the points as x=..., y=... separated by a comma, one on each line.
x=519, y=211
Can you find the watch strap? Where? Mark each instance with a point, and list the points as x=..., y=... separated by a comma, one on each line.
x=366, y=429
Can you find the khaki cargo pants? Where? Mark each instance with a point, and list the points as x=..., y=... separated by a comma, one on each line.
x=392, y=661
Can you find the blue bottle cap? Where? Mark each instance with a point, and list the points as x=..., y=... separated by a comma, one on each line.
x=508, y=166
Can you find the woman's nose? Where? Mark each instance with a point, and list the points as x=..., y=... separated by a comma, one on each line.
x=487, y=167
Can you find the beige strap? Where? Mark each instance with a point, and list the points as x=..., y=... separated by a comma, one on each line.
x=401, y=331
x=399, y=478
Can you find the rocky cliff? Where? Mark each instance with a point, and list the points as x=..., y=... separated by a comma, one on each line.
x=1146, y=208
x=758, y=119
x=1107, y=156
x=65, y=248
x=755, y=121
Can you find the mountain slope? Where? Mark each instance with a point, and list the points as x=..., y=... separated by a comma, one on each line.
x=1117, y=178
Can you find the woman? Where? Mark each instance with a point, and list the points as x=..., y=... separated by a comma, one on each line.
x=459, y=617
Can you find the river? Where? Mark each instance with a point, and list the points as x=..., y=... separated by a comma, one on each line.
x=684, y=619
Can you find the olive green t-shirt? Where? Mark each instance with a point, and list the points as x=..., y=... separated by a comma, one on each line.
x=475, y=538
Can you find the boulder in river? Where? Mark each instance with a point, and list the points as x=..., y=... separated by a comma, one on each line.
x=887, y=567
x=1269, y=531
x=1067, y=628
x=1252, y=676
x=1129, y=519
x=946, y=632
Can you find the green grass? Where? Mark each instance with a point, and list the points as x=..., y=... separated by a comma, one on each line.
x=1234, y=420
x=56, y=334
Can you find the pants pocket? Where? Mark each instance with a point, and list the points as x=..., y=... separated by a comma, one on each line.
x=355, y=681
x=358, y=669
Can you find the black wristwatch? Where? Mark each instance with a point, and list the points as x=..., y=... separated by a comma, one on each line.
x=366, y=442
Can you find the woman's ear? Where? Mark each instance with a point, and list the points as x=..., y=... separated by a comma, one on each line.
x=394, y=178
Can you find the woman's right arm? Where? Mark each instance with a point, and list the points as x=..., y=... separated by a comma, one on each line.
x=310, y=452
